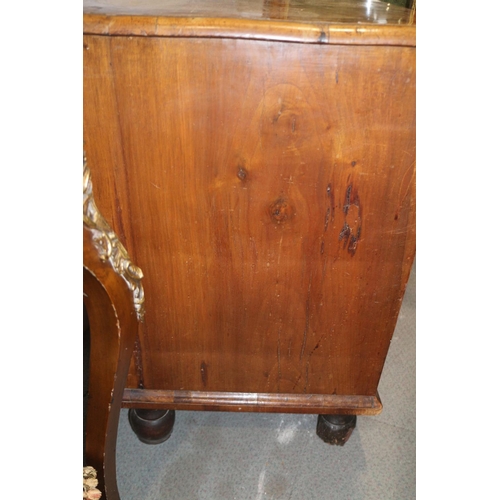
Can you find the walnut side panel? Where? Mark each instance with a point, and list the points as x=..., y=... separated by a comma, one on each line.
x=267, y=191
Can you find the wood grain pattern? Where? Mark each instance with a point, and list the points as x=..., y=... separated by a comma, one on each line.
x=266, y=189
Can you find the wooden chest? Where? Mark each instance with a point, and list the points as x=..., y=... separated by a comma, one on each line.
x=257, y=160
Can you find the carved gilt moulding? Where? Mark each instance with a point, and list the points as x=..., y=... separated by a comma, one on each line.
x=109, y=246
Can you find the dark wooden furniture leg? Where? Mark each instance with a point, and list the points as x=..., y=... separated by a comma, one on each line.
x=335, y=429
x=113, y=298
x=152, y=426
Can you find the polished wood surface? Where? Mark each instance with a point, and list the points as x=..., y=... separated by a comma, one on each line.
x=270, y=207
x=151, y=426
x=266, y=188
x=113, y=327
x=308, y=21
x=262, y=403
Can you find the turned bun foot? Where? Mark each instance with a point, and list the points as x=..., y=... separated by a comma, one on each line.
x=335, y=429
x=152, y=426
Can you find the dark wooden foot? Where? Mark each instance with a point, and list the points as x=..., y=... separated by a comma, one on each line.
x=335, y=429
x=152, y=426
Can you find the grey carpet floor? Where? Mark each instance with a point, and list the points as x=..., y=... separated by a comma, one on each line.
x=251, y=456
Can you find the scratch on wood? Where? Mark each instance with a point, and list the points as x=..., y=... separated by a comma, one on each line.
x=204, y=374
x=317, y=345
x=345, y=233
x=402, y=198
x=412, y=168
x=353, y=243
x=347, y=202
x=327, y=218
x=396, y=231
x=296, y=382
x=331, y=209
x=279, y=257
x=351, y=231
x=309, y=361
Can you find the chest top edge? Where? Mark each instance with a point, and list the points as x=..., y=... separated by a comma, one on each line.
x=250, y=29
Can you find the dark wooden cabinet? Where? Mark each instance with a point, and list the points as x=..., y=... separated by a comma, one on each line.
x=257, y=160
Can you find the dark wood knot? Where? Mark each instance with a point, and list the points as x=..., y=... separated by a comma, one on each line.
x=280, y=211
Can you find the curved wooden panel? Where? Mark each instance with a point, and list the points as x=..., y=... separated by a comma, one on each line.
x=113, y=299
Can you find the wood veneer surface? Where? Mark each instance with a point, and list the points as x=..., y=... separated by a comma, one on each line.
x=266, y=190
